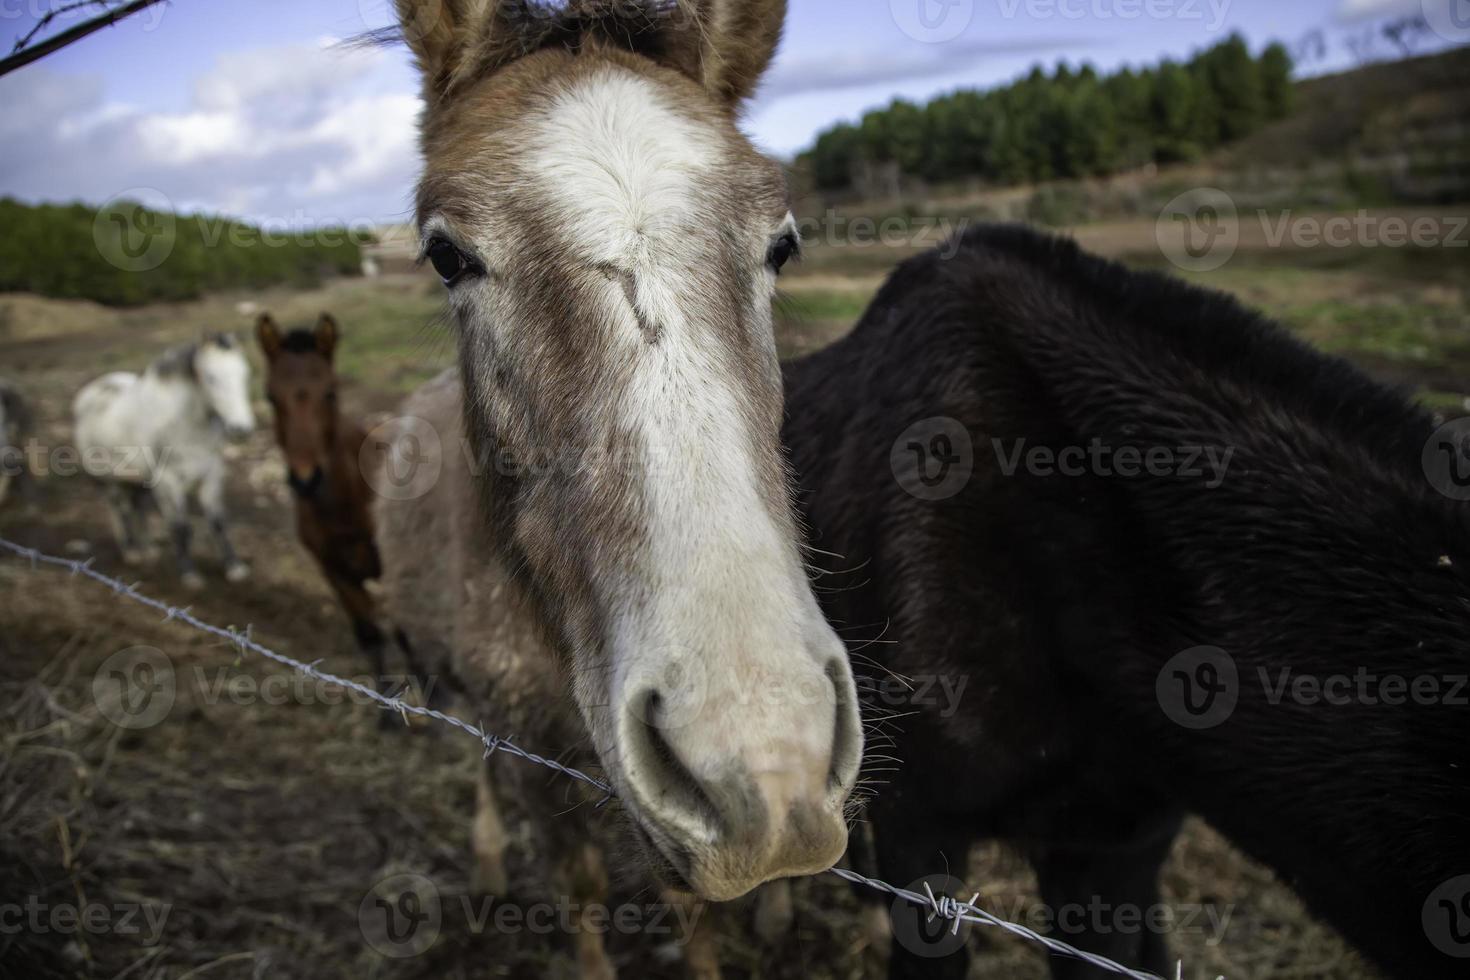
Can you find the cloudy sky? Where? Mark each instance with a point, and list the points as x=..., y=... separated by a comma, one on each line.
x=254, y=109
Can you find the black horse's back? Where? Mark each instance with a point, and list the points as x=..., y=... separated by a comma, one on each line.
x=1128, y=516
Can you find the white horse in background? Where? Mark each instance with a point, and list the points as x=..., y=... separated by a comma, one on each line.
x=160, y=435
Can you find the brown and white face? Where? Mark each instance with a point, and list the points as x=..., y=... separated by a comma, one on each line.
x=610, y=243
x=301, y=385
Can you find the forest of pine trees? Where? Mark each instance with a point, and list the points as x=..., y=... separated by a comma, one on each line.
x=1071, y=123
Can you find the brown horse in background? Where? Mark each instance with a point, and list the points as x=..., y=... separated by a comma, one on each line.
x=322, y=450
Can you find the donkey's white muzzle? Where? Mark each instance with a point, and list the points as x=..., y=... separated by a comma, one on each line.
x=739, y=784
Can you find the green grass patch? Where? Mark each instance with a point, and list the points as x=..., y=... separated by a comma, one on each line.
x=1407, y=330
x=1450, y=404
x=823, y=304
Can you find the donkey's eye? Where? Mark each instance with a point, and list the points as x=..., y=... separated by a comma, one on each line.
x=783, y=250
x=451, y=263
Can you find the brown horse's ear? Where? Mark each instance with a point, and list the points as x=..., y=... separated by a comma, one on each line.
x=326, y=335
x=730, y=44
x=268, y=335
x=456, y=39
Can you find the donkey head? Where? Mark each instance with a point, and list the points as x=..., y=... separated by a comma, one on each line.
x=302, y=387
x=610, y=243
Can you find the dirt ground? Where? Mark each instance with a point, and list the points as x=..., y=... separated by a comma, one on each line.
x=241, y=836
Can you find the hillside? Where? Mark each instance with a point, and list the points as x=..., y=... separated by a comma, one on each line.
x=125, y=253
x=1406, y=121
x=1386, y=133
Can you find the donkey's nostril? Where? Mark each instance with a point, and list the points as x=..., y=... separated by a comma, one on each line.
x=847, y=736
x=672, y=787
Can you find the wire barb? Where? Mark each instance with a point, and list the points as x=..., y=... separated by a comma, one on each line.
x=940, y=906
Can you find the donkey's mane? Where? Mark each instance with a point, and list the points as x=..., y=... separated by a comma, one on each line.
x=641, y=27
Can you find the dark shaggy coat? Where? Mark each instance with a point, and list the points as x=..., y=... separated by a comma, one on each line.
x=1063, y=600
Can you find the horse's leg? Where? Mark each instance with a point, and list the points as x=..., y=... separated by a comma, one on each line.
x=579, y=877
x=910, y=854
x=173, y=504
x=701, y=958
x=360, y=609
x=1122, y=880
x=26, y=486
x=22, y=480
x=773, y=911
x=876, y=926
x=141, y=507
x=582, y=876
x=434, y=695
x=124, y=522
x=212, y=502
x=489, y=839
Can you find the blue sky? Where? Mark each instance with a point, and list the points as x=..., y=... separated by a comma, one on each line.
x=250, y=108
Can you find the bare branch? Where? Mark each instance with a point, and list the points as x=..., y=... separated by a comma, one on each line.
x=51, y=15
x=22, y=55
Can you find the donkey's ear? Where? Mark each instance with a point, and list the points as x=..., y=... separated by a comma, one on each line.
x=737, y=40
x=268, y=335
x=326, y=335
x=452, y=39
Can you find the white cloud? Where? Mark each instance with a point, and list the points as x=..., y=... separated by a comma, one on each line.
x=1351, y=10
x=321, y=133
x=857, y=69
x=291, y=135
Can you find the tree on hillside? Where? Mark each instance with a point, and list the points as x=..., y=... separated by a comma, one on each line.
x=1176, y=114
x=1276, y=84
x=833, y=156
x=1234, y=78
x=1130, y=96
x=1070, y=123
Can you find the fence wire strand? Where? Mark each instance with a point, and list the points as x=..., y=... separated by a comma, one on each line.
x=939, y=906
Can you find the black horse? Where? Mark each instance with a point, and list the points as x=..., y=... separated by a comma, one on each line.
x=1175, y=561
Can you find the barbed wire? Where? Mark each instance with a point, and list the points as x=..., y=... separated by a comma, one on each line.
x=939, y=906
x=242, y=641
